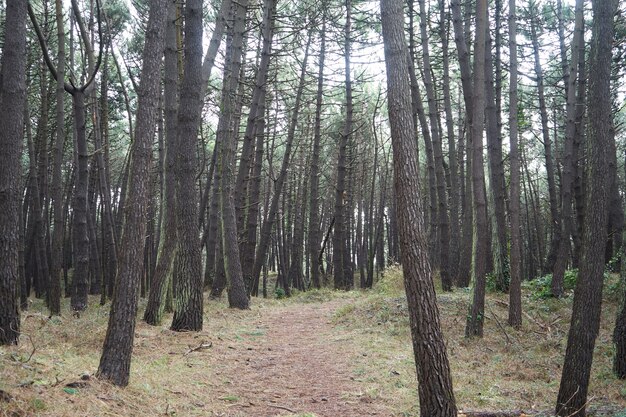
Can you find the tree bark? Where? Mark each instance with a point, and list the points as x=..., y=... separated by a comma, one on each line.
x=436, y=397
x=476, y=316
x=162, y=278
x=12, y=100
x=188, y=271
x=118, y=344
x=515, y=293
x=572, y=397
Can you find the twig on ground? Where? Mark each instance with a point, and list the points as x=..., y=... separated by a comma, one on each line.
x=283, y=408
x=203, y=345
x=495, y=316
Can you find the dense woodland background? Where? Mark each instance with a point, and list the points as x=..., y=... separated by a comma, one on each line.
x=245, y=149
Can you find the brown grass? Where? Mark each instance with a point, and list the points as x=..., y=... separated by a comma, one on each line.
x=357, y=341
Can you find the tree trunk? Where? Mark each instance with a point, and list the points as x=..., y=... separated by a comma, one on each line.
x=12, y=100
x=569, y=157
x=476, y=316
x=436, y=397
x=314, y=203
x=237, y=296
x=188, y=271
x=515, y=293
x=162, y=278
x=572, y=397
x=118, y=344
x=443, y=231
x=342, y=272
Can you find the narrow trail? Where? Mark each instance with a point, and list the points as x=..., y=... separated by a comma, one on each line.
x=298, y=363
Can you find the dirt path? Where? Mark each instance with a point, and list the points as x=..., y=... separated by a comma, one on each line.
x=294, y=362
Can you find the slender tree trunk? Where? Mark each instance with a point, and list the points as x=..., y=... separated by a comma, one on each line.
x=266, y=229
x=443, y=231
x=342, y=273
x=436, y=397
x=515, y=293
x=162, y=278
x=476, y=316
x=314, y=203
x=237, y=296
x=569, y=158
x=496, y=175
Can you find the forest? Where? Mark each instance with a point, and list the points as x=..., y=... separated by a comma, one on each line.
x=313, y=208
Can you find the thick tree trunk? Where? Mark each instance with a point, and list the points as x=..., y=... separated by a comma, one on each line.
x=188, y=271
x=436, y=397
x=12, y=100
x=118, y=344
x=572, y=397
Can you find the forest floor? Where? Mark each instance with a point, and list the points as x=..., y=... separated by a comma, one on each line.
x=317, y=354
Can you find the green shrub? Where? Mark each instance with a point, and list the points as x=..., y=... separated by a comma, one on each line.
x=279, y=293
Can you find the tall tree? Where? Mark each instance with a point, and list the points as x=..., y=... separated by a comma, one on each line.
x=515, y=296
x=54, y=296
x=12, y=99
x=476, y=316
x=237, y=296
x=314, y=205
x=443, y=231
x=342, y=265
x=162, y=278
x=569, y=157
x=572, y=397
x=188, y=271
x=436, y=397
x=118, y=343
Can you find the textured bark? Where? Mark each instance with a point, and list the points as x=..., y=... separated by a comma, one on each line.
x=237, y=296
x=80, y=234
x=619, y=332
x=314, y=203
x=572, y=397
x=476, y=315
x=188, y=271
x=162, y=278
x=12, y=100
x=249, y=170
x=496, y=175
x=436, y=397
x=555, y=220
x=118, y=344
x=569, y=157
x=443, y=227
x=452, y=155
x=515, y=293
x=342, y=271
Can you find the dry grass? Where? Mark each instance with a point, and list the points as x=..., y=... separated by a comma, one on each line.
x=506, y=370
x=516, y=370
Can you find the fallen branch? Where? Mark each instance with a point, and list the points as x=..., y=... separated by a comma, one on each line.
x=283, y=408
x=203, y=345
x=495, y=316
